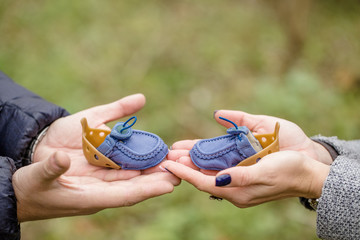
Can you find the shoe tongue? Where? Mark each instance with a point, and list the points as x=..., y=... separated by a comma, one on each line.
x=118, y=134
x=238, y=130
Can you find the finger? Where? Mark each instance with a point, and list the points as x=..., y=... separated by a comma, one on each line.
x=52, y=168
x=127, y=193
x=120, y=108
x=209, y=172
x=253, y=122
x=110, y=175
x=172, y=178
x=176, y=154
x=146, y=190
x=196, y=178
x=240, y=176
x=188, y=162
x=163, y=174
x=184, y=144
x=151, y=170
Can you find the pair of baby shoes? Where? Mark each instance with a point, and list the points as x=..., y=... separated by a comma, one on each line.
x=127, y=148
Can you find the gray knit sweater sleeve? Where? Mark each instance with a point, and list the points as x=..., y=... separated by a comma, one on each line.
x=338, y=212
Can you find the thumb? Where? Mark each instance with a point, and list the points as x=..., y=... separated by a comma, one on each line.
x=52, y=168
x=120, y=108
x=239, y=176
x=239, y=117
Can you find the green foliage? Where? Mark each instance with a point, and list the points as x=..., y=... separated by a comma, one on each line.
x=189, y=58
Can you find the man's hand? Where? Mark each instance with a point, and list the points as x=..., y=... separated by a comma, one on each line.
x=43, y=190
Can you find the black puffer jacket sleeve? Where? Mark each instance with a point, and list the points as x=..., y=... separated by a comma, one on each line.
x=9, y=226
x=23, y=115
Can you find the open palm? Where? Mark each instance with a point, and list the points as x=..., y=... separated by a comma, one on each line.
x=65, y=135
x=62, y=183
x=292, y=137
x=43, y=190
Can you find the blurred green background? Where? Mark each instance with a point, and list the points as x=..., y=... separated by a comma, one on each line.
x=297, y=60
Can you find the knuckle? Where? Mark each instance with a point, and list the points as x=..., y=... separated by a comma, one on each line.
x=201, y=186
x=243, y=178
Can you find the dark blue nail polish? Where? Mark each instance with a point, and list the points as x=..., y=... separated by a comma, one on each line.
x=223, y=180
x=169, y=171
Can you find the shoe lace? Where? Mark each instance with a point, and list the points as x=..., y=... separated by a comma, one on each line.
x=236, y=130
x=125, y=126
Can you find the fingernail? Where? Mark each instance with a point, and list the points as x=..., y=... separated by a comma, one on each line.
x=215, y=113
x=164, y=169
x=168, y=170
x=223, y=180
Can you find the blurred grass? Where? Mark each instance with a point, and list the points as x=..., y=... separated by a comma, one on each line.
x=188, y=58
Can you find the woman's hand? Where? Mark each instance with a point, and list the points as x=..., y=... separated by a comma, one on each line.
x=43, y=190
x=279, y=175
x=291, y=136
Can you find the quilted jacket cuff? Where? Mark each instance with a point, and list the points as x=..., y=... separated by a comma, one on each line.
x=9, y=226
x=23, y=116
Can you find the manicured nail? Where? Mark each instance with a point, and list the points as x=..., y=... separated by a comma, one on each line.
x=169, y=171
x=223, y=180
x=215, y=113
x=164, y=169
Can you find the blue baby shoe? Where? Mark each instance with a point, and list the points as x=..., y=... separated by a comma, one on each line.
x=225, y=151
x=133, y=149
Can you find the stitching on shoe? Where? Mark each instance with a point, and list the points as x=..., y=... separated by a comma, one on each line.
x=213, y=155
x=135, y=157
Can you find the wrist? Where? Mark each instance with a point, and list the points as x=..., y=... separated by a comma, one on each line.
x=323, y=153
x=16, y=180
x=317, y=172
x=35, y=143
